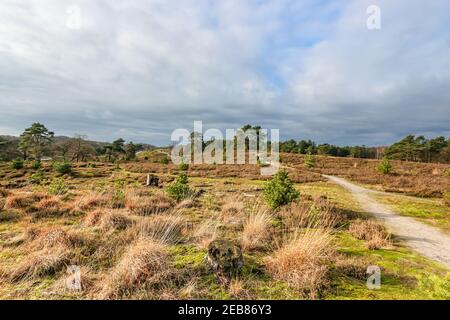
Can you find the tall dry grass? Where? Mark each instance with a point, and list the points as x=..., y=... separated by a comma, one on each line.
x=303, y=260
x=143, y=264
x=256, y=231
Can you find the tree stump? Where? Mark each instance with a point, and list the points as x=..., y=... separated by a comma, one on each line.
x=225, y=256
x=152, y=180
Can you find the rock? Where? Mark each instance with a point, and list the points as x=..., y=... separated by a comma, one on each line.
x=225, y=256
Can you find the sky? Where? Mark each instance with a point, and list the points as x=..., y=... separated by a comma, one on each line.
x=139, y=69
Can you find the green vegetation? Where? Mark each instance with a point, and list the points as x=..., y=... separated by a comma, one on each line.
x=180, y=189
x=58, y=187
x=17, y=164
x=63, y=167
x=310, y=161
x=385, y=166
x=280, y=190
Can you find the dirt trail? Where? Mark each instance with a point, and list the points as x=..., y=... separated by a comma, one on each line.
x=424, y=239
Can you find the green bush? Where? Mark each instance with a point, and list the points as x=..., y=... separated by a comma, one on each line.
x=58, y=187
x=310, y=161
x=17, y=164
x=36, y=165
x=447, y=172
x=183, y=166
x=385, y=166
x=63, y=167
x=280, y=190
x=179, y=190
x=165, y=160
x=37, y=177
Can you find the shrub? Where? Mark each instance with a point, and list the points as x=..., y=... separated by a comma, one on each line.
x=280, y=190
x=17, y=164
x=180, y=189
x=36, y=165
x=447, y=172
x=310, y=161
x=37, y=177
x=164, y=160
x=58, y=187
x=385, y=166
x=62, y=167
x=183, y=166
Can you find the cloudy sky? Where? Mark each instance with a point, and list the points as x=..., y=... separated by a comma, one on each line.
x=139, y=69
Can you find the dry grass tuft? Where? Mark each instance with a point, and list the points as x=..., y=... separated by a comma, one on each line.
x=143, y=206
x=205, y=233
x=142, y=264
x=371, y=231
x=19, y=201
x=319, y=214
x=40, y=264
x=185, y=204
x=232, y=207
x=92, y=200
x=113, y=220
x=49, y=207
x=256, y=230
x=352, y=267
x=302, y=261
x=94, y=218
x=166, y=229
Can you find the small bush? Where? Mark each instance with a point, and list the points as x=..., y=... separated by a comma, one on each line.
x=385, y=166
x=63, y=167
x=164, y=160
x=310, y=161
x=180, y=189
x=17, y=164
x=183, y=166
x=447, y=172
x=280, y=190
x=58, y=187
x=37, y=177
x=36, y=165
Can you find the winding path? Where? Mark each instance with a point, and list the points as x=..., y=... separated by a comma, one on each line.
x=424, y=239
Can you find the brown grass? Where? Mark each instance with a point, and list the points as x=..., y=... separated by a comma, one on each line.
x=166, y=229
x=143, y=263
x=94, y=218
x=374, y=233
x=205, y=233
x=256, y=233
x=302, y=261
x=143, y=206
x=40, y=264
x=92, y=200
x=115, y=220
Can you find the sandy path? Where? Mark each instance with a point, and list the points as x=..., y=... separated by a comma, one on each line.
x=424, y=239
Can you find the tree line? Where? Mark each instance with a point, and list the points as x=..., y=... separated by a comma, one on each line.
x=411, y=148
x=37, y=142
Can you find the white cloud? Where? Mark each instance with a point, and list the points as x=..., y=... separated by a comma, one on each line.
x=146, y=67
